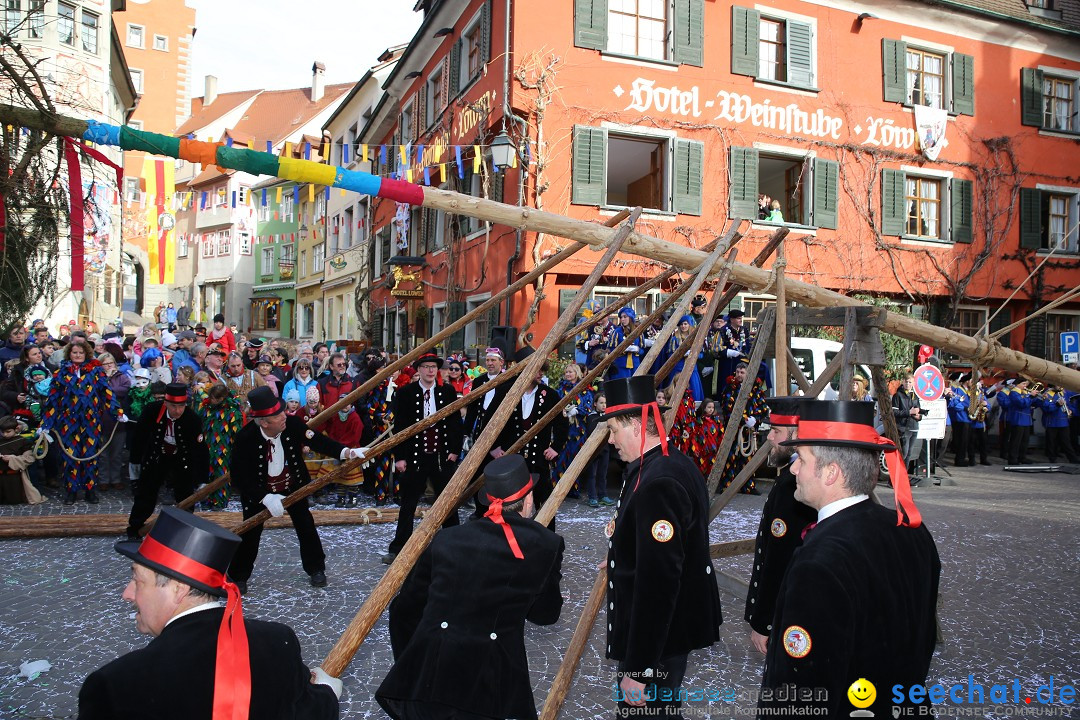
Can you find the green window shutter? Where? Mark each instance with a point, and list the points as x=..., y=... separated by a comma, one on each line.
x=1035, y=336
x=1031, y=96
x=999, y=321
x=590, y=147
x=427, y=227
x=826, y=193
x=493, y=322
x=743, y=201
x=377, y=329
x=800, y=54
x=745, y=31
x=690, y=32
x=1030, y=218
x=590, y=24
x=893, y=214
x=894, y=68
x=464, y=187
x=960, y=194
x=963, y=84
x=456, y=312
x=455, y=70
x=565, y=298
x=485, y=32
x=689, y=176
x=498, y=180
x=421, y=113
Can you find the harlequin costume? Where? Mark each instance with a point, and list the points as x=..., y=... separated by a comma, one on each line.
x=220, y=423
x=756, y=408
x=685, y=425
x=378, y=416
x=576, y=432
x=705, y=442
x=658, y=564
x=79, y=398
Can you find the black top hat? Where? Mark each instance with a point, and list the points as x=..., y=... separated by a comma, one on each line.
x=504, y=478
x=187, y=548
x=176, y=393
x=699, y=301
x=838, y=423
x=263, y=402
x=732, y=314
x=784, y=411
x=427, y=357
x=522, y=354
x=627, y=395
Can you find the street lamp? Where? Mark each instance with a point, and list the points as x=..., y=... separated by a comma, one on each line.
x=502, y=150
x=303, y=231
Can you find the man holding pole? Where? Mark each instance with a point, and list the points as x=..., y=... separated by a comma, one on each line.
x=429, y=455
x=267, y=465
x=662, y=596
x=205, y=660
x=457, y=626
x=783, y=520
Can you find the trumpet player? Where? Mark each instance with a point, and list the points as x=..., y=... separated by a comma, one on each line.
x=1055, y=419
x=980, y=408
x=959, y=412
x=1021, y=403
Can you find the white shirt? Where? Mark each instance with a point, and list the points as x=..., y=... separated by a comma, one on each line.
x=837, y=505
x=429, y=402
x=490, y=394
x=208, y=605
x=277, y=455
x=528, y=400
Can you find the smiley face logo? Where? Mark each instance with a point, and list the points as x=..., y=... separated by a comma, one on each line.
x=862, y=693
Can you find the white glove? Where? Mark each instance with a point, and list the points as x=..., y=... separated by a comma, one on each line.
x=272, y=501
x=355, y=453
x=751, y=422
x=571, y=411
x=321, y=677
x=706, y=372
x=733, y=353
x=648, y=342
x=633, y=349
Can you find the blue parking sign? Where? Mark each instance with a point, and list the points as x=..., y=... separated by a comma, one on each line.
x=1070, y=342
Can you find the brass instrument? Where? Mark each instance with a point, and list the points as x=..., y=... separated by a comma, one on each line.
x=976, y=399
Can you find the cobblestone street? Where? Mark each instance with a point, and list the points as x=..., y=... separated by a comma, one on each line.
x=1008, y=544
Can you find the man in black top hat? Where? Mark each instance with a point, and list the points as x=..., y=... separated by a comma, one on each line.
x=543, y=449
x=782, y=521
x=252, y=350
x=430, y=455
x=662, y=595
x=858, y=599
x=460, y=615
x=168, y=446
x=733, y=346
x=267, y=465
x=205, y=660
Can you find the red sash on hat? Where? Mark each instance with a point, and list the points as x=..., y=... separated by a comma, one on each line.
x=644, y=420
x=789, y=420
x=494, y=513
x=906, y=512
x=232, y=673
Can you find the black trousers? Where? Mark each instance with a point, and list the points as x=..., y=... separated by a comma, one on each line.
x=1057, y=443
x=961, y=437
x=146, y=491
x=542, y=485
x=662, y=696
x=312, y=556
x=977, y=444
x=438, y=470
x=1004, y=440
x=1018, y=443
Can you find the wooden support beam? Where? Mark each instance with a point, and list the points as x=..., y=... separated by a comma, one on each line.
x=865, y=316
x=847, y=370
x=732, y=548
x=796, y=372
x=782, y=380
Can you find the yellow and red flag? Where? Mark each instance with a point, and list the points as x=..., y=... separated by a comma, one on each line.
x=158, y=174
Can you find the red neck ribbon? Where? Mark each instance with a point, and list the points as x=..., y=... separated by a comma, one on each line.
x=232, y=673
x=645, y=409
x=495, y=514
x=906, y=512
x=783, y=420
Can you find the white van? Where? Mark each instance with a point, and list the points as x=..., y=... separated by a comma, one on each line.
x=813, y=356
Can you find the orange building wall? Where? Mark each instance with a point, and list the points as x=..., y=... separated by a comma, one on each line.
x=849, y=78
x=166, y=95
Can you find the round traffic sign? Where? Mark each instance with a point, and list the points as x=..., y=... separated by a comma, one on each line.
x=929, y=383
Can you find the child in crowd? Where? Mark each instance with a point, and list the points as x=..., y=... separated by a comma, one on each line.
x=597, y=471
x=292, y=402
x=707, y=437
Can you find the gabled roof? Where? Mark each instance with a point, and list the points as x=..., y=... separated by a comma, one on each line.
x=1018, y=10
x=201, y=115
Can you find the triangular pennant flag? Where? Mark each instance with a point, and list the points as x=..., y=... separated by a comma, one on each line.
x=269, y=146
x=278, y=198
x=460, y=167
x=288, y=149
x=442, y=172
x=251, y=144
x=345, y=154
x=307, y=151
x=363, y=152
x=382, y=155
x=419, y=154
x=311, y=193
x=427, y=175
x=234, y=198
x=326, y=194
x=476, y=159
x=403, y=152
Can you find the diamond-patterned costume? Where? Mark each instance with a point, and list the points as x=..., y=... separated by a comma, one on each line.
x=220, y=423
x=755, y=406
x=706, y=442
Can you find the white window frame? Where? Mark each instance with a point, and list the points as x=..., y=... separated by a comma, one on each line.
x=132, y=188
x=35, y=19
x=246, y=246
x=181, y=245
x=465, y=77
x=225, y=243
x=318, y=257
x=84, y=27
x=12, y=17
x=438, y=319
x=142, y=37
x=164, y=43
x=1062, y=74
x=209, y=244
x=302, y=264
x=944, y=219
x=266, y=260
x=668, y=41
x=771, y=13
x=471, y=303
x=66, y=18
x=947, y=52
x=436, y=78
x=659, y=134
x=1073, y=231
x=408, y=132
x=794, y=155
x=137, y=79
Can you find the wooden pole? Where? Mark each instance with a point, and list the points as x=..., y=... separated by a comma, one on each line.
x=782, y=380
x=345, y=648
x=796, y=372
x=762, y=454
x=735, y=420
